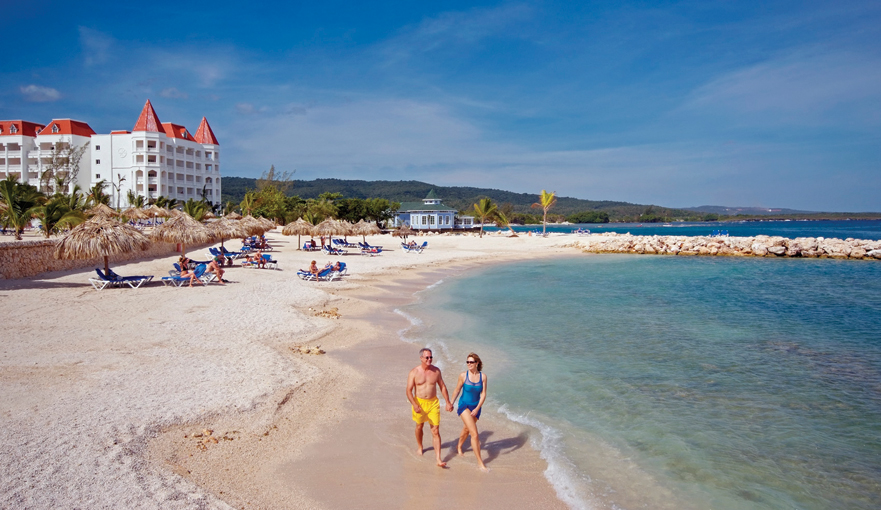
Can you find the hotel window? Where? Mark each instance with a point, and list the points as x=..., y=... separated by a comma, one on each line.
x=13, y=129
x=423, y=220
x=97, y=176
x=97, y=147
x=55, y=128
x=431, y=220
x=97, y=161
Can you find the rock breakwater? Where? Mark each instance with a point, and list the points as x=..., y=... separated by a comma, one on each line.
x=758, y=246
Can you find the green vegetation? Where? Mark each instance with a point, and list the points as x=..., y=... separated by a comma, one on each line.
x=463, y=198
x=545, y=201
x=589, y=217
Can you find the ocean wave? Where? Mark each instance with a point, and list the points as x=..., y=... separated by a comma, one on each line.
x=414, y=323
x=561, y=472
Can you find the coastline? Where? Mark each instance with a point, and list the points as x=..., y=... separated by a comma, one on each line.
x=347, y=435
x=115, y=376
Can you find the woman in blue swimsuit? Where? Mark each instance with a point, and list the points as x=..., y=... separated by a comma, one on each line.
x=472, y=384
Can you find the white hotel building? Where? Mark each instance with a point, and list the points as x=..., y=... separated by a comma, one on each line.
x=152, y=159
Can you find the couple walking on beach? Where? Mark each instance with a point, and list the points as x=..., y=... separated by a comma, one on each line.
x=422, y=385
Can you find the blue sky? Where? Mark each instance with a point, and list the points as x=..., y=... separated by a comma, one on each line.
x=680, y=104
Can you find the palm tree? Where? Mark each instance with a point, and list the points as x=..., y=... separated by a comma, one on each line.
x=134, y=200
x=248, y=203
x=546, y=201
x=196, y=209
x=20, y=201
x=56, y=215
x=485, y=210
x=502, y=221
x=96, y=194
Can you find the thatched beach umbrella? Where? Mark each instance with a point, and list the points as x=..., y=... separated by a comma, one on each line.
x=181, y=229
x=365, y=228
x=404, y=231
x=267, y=223
x=233, y=216
x=224, y=229
x=297, y=228
x=208, y=215
x=100, y=237
x=252, y=225
x=329, y=227
x=136, y=213
x=102, y=210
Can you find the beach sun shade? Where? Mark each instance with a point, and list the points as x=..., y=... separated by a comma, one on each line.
x=403, y=231
x=233, y=216
x=297, y=228
x=252, y=225
x=135, y=213
x=100, y=237
x=102, y=210
x=181, y=229
x=364, y=229
x=224, y=229
x=328, y=228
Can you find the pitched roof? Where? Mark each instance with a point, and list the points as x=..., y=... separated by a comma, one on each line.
x=431, y=195
x=67, y=127
x=148, y=121
x=204, y=133
x=422, y=206
x=177, y=131
x=22, y=128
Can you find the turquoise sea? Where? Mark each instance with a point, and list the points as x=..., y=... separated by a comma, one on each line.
x=842, y=229
x=678, y=382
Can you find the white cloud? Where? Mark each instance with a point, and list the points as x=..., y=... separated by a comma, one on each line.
x=96, y=46
x=403, y=140
x=173, y=93
x=453, y=29
x=38, y=94
x=798, y=88
x=245, y=108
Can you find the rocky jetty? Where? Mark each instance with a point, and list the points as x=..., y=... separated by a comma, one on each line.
x=758, y=246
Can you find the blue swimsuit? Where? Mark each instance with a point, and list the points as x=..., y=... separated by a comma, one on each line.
x=471, y=395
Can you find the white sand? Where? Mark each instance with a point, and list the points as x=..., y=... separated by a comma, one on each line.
x=90, y=378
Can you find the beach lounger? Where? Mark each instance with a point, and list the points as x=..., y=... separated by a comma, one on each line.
x=328, y=250
x=178, y=280
x=325, y=274
x=114, y=280
x=270, y=262
x=372, y=251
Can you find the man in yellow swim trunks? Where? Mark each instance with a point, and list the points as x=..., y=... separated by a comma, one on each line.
x=422, y=393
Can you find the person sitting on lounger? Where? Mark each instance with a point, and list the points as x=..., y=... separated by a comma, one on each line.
x=185, y=270
x=411, y=244
x=257, y=258
x=215, y=266
x=314, y=269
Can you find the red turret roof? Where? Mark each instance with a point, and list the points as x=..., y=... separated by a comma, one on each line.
x=148, y=121
x=204, y=133
x=177, y=131
x=22, y=128
x=67, y=127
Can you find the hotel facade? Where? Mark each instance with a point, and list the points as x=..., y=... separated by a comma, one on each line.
x=152, y=159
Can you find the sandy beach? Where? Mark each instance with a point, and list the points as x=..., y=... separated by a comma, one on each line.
x=164, y=397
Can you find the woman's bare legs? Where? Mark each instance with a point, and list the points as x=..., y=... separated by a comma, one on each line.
x=471, y=428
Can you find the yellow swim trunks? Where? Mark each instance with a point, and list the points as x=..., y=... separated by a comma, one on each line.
x=430, y=411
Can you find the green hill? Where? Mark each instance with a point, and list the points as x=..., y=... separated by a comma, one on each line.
x=460, y=197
